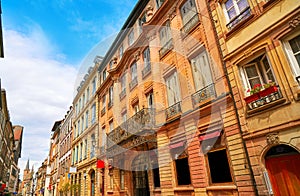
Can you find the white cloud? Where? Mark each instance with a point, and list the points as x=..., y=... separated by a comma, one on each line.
x=39, y=89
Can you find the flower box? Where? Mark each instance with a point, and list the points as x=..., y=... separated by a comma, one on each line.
x=252, y=98
x=268, y=91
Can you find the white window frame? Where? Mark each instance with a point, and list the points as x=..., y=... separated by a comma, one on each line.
x=201, y=69
x=131, y=38
x=291, y=57
x=235, y=7
x=262, y=73
x=173, y=88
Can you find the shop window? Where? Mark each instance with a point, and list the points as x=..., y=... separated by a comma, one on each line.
x=236, y=11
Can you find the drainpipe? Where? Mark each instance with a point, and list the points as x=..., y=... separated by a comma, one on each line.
x=231, y=94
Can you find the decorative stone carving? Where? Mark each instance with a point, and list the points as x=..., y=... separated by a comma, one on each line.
x=272, y=138
x=295, y=22
x=149, y=12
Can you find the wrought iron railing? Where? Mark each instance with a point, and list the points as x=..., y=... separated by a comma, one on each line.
x=166, y=48
x=146, y=70
x=133, y=83
x=263, y=98
x=173, y=110
x=204, y=94
x=122, y=94
x=237, y=19
x=142, y=120
x=190, y=24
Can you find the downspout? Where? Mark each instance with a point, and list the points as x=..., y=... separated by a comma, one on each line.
x=231, y=94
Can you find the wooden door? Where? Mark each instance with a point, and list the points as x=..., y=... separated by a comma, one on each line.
x=284, y=173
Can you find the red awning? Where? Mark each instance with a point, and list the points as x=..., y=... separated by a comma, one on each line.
x=209, y=135
x=100, y=164
x=2, y=187
x=176, y=145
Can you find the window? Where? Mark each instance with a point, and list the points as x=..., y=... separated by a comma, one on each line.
x=103, y=136
x=94, y=86
x=87, y=94
x=81, y=149
x=236, y=11
x=111, y=126
x=110, y=96
x=219, y=166
x=165, y=34
x=121, y=51
x=130, y=38
x=93, y=143
x=201, y=71
x=159, y=3
x=103, y=103
x=146, y=56
x=150, y=100
x=258, y=71
x=135, y=107
x=156, y=178
x=104, y=75
x=76, y=154
x=133, y=71
x=293, y=51
x=123, y=86
x=85, y=148
x=78, y=128
x=142, y=20
x=87, y=119
x=122, y=179
x=82, y=123
x=93, y=120
x=111, y=62
x=83, y=100
x=124, y=116
x=80, y=107
x=188, y=11
x=172, y=86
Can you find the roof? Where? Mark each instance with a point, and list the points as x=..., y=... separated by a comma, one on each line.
x=18, y=130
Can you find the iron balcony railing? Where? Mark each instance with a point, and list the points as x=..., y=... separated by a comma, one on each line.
x=142, y=120
x=133, y=83
x=146, y=70
x=237, y=19
x=190, y=24
x=173, y=110
x=166, y=48
x=204, y=94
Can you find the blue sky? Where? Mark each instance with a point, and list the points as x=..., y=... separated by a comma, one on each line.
x=44, y=45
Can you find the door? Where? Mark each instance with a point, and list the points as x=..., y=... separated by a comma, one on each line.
x=284, y=174
x=140, y=176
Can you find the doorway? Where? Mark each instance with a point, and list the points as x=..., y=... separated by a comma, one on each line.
x=140, y=176
x=282, y=163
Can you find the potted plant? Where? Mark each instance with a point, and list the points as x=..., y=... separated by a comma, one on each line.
x=269, y=89
x=253, y=93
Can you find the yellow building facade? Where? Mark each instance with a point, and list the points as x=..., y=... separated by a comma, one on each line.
x=84, y=180
x=260, y=44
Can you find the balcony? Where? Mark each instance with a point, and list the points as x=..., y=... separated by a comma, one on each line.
x=123, y=93
x=174, y=110
x=166, y=48
x=204, y=94
x=133, y=83
x=263, y=99
x=239, y=18
x=147, y=70
x=142, y=120
x=190, y=24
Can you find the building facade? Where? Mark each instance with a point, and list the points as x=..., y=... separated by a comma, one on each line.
x=41, y=179
x=85, y=134
x=260, y=43
x=65, y=152
x=166, y=107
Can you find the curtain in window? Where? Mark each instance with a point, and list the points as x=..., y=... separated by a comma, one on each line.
x=173, y=89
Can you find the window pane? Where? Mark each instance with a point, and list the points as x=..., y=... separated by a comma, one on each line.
x=228, y=4
x=242, y=4
x=231, y=13
x=251, y=71
x=295, y=44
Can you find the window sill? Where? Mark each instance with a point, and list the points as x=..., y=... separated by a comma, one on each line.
x=221, y=187
x=184, y=188
x=267, y=107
